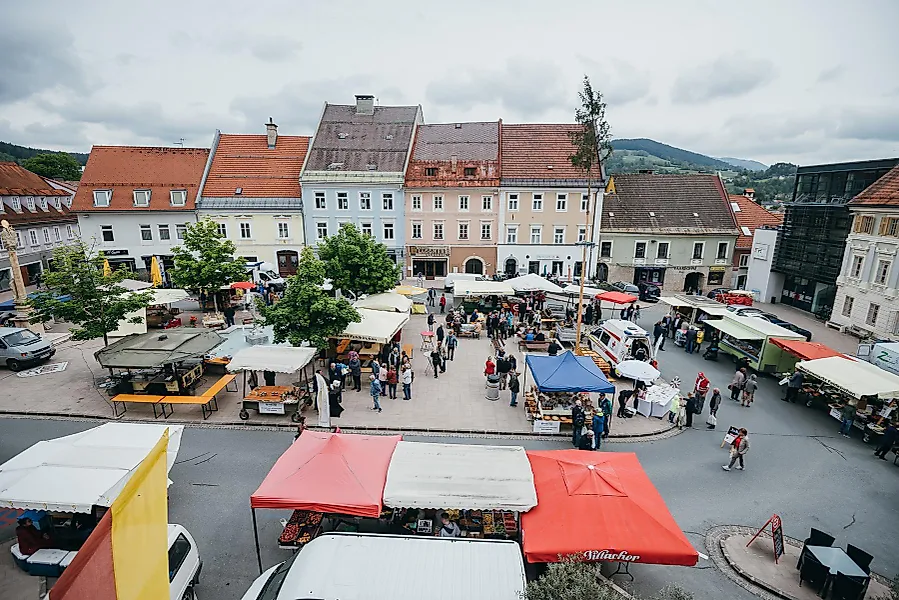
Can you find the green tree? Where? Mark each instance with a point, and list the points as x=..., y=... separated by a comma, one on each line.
x=358, y=264
x=306, y=313
x=569, y=579
x=96, y=302
x=206, y=260
x=58, y=165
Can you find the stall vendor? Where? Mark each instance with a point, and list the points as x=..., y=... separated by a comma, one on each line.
x=31, y=540
x=448, y=528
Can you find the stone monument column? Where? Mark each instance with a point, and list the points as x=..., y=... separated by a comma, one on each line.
x=10, y=243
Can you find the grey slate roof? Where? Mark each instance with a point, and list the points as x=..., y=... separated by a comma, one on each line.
x=669, y=204
x=250, y=203
x=377, y=143
x=465, y=141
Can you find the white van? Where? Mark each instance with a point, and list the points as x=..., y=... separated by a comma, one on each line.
x=184, y=564
x=20, y=348
x=264, y=273
x=351, y=566
x=617, y=340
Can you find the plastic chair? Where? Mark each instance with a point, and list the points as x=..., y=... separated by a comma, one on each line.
x=811, y=570
x=860, y=557
x=816, y=538
x=847, y=588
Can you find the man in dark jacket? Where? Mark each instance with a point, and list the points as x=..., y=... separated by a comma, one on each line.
x=659, y=332
x=440, y=334
x=436, y=359
x=691, y=340
x=886, y=443
x=502, y=369
x=514, y=387
x=554, y=348
x=578, y=418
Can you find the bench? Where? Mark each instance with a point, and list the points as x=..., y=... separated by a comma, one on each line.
x=206, y=400
x=136, y=398
x=533, y=346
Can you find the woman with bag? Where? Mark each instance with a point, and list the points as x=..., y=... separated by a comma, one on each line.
x=738, y=450
x=749, y=389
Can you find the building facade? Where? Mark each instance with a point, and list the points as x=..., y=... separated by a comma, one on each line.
x=355, y=170
x=867, y=297
x=750, y=216
x=674, y=231
x=135, y=202
x=40, y=213
x=547, y=208
x=816, y=225
x=251, y=188
x=452, y=200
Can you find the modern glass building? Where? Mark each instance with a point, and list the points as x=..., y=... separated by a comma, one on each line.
x=816, y=224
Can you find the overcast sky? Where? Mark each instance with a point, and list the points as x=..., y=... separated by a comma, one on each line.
x=801, y=81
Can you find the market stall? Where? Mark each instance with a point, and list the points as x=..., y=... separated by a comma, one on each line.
x=483, y=295
x=368, y=336
x=837, y=380
x=558, y=382
x=600, y=507
x=388, y=301
x=533, y=283
x=274, y=400
x=797, y=350
x=481, y=488
x=694, y=309
x=748, y=339
x=324, y=474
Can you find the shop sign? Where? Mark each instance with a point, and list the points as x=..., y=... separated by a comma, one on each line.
x=114, y=252
x=836, y=413
x=271, y=408
x=777, y=535
x=437, y=251
x=541, y=426
x=622, y=556
x=717, y=269
x=360, y=338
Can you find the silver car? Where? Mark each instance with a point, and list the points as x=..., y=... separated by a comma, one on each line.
x=20, y=347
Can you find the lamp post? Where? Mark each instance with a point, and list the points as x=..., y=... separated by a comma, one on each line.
x=11, y=243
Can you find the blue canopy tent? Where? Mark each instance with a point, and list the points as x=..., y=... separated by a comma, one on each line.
x=568, y=373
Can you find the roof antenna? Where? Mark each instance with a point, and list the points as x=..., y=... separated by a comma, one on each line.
x=180, y=142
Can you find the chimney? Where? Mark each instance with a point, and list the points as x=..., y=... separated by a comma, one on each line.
x=453, y=161
x=271, y=131
x=365, y=104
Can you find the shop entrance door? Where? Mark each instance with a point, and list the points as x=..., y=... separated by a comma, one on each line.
x=534, y=267
x=288, y=261
x=475, y=266
x=693, y=282
x=430, y=268
x=557, y=268
x=511, y=267
x=602, y=272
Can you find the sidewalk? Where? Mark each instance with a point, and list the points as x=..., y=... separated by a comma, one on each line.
x=15, y=583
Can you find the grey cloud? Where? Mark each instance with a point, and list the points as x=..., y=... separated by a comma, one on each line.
x=526, y=88
x=60, y=136
x=727, y=76
x=871, y=123
x=620, y=82
x=275, y=49
x=35, y=61
x=831, y=74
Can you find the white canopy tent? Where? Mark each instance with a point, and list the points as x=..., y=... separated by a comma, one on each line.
x=388, y=301
x=465, y=287
x=533, y=283
x=856, y=378
x=376, y=326
x=75, y=472
x=280, y=359
x=573, y=289
x=423, y=475
x=160, y=296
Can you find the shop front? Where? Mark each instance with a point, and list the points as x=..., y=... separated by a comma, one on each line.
x=119, y=259
x=428, y=261
x=653, y=275
x=716, y=275
x=475, y=260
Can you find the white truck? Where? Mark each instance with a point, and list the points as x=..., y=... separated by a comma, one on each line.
x=264, y=273
x=881, y=354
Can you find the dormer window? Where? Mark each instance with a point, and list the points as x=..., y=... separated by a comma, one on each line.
x=29, y=202
x=141, y=197
x=15, y=203
x=470, y=171
x=102, y=197
x=43, y=202
x=179, y=197
x=430, y=171
x=56, y=203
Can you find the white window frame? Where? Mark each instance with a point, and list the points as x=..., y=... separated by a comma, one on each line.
x=611, y=248
x=168, y=232
x=104, y=229
x=367, y=228
x=561, y=202
x=321, y=233
x=874, y=309
x=581, y=234
x=659, y=245
x=718, y=251
x=29, y=201
x=384, y=227
x=464, y=203
x=701, y=253
x=32, y=237
x=46, y=232
x=538, y=230
x=437, y=202
x=43, y=202
x=883, y=278
x=416, y=202
x=70, y=232
x=467, y=226
x=143, y=194
x=145, y=228
x=387, y=201
x=744, y=260
x=487, y=203
x=180, y=230
x=364, y=198
x=221, y=229
x=511, y=234
x=57, y=233
x=102, y=198
x=56, y=203
x=419, y=225
x=20, y=241
x=512, y=202
x=859, y=261
x=489, y=231
x=537, y=202
x=182, y=194
x=321, y=200
x=17, y=204
x=245, y=226
x=345, y=198
x=559, y=234
x=442, y=226
x=645, y=248
x=848, y=302
x=585, y=202
x=283, y=230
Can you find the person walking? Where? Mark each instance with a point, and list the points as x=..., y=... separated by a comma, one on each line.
x=435, y=361
x=578, y=418
x=514, y=387
x=440, y=334
x=374, y=388
x=637, y=313
x=736, y=384
x=451, y=342
x=407, y=381
x=430, y=321
x=700, y=390
x=659, y=332
x=749, y=388
x=392, y=378
x=793, y=386
x=432, y=294
x=382, y=379
x=887, y=441
x=441, y=350
x=442, y=303
x=598, y=427
x=692, y=335
x=738, y=450
x=848, y=416
x=355, y=365
x=690, y=409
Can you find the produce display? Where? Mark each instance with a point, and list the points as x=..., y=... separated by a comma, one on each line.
x=301, y=528
x=473, y=523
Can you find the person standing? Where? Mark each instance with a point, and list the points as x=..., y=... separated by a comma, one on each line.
x=848, y=416
x=435, y=361
x=355, y=365
x=489, y=367
x=407, y=382
x=451, y=342
x=553, y=348
x=598, y=427
x=659, y=332
x=793, y=386
x=374, y=388
x=637, y=313
x=690, y=409
x=440, y=334
x=392, y=378
x=715, y=402
x=692, y=335
x=739, y=448
x=606, y=405
x=513, y=362
x=229, y=316
x=588, y=314
x=749, y=388
x=514, y=387
x=887, y=441
x=736, y=384
x=578, y=418
x=431, y=321
x=442, y=303
x=432, y=293
x=700, y=389
x=502, y=368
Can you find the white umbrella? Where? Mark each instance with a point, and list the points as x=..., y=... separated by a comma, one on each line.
x=533, y=283
x=637, y=369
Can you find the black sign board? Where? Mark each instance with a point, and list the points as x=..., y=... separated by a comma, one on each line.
x=115, y=253
x=778, y=531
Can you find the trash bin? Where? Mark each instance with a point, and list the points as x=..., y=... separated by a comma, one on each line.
x=492, y=392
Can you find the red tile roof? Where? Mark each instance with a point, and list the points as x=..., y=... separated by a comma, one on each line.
x=18, y=181
x=883, y=192
x=245, y=161
x=528, y=151
x=752, y=216
x=124, y=169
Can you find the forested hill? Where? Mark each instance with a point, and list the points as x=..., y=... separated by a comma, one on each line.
x=670, y=153
x=14, y=153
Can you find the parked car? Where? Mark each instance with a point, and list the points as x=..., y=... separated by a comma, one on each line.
x=627, y=288
x=649, y=292
x=20, y=348
x=772, y=318
x=744, y=311
x=184, y=564
x=716, y=291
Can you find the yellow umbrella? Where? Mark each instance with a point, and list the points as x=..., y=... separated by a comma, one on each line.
x=155, y=273
x=409, y=290
x=107, y=270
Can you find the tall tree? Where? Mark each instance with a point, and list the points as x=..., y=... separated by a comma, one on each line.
x=592, y=145
x=356, y=263
x=569, y=580
x=57, y=165
x=306, y=313
x=205, y=262
x=78, y=290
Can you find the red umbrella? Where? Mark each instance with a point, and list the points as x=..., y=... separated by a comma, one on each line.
x=616, y=297
x=243, y=285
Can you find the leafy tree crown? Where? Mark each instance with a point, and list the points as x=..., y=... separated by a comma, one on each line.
x=356, y=263
x=205, y=261
x=54, y=165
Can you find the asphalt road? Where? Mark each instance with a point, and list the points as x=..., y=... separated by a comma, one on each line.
x=798, y=468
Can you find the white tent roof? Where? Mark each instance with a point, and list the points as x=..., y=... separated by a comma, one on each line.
x=751, y=328
x=167, y=296
x=575, y=289
x=134, y=285
x=376, y=326
x=280, y=359
x=854, y=377
x=423, y=475
x=75, y=472
x=388, y=301
x=532, y=283
x=465, y=287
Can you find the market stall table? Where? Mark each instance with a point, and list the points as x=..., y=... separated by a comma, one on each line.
x=659, y=400
x=427, y=341
x=560, y=380
x=277, y=359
